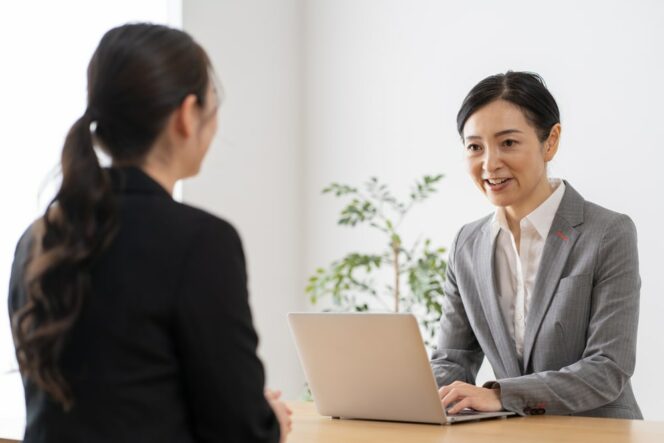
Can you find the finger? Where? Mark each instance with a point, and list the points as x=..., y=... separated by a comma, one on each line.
x=454, y=395
x=442, y=392
x=445, y=390
x=461, y=405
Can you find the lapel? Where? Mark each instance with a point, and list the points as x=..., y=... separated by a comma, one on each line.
x=557, y=247
x=484, y=251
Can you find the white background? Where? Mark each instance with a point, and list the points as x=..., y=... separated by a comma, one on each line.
x=338, y=90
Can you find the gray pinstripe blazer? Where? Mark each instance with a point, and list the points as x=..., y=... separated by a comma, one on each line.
x=580, y=342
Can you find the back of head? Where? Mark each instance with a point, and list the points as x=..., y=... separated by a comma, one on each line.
x=138, y=75
x=523, y=89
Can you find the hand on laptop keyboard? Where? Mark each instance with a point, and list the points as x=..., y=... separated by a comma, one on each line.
x=466, y=411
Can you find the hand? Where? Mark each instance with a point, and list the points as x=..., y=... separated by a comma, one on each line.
x=282, y=412
x=464, y=395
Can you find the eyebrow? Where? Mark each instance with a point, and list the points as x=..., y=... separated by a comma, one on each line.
x=496, y=135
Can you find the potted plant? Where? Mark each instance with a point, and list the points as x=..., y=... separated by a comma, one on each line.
x=360, y=282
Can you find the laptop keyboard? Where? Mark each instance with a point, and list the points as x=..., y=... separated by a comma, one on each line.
x=464, y=412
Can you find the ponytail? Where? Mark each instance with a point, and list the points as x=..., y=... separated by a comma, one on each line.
x=78, y=224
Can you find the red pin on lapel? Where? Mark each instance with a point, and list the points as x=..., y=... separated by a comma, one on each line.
x=562, y=235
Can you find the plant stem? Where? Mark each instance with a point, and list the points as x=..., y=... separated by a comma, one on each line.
x=395, y=254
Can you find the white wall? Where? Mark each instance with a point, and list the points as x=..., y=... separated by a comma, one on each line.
x=252, y=174
x=384, y=80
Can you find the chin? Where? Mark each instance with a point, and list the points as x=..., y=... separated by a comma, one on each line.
x=192, y=172
x=500, y=201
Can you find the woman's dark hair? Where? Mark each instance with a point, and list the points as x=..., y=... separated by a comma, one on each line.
x=138, y=75
x=523, y=89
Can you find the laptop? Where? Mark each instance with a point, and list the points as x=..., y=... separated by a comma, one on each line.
x=371, y=366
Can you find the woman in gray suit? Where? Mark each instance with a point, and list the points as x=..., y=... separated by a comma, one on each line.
x=546, y=287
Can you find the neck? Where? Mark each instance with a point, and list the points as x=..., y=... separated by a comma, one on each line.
x=161, y=175
x=515, y=213
x=159, y=165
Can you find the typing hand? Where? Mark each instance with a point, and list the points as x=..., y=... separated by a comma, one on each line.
x=282, y=412
x=463, y=395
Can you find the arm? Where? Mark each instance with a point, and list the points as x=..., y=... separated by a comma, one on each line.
x=223, y=377
x=608, y=360
x=458, y=355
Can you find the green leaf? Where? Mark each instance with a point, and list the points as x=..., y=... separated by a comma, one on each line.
x=359, y=282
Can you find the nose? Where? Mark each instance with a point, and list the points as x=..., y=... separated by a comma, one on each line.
x=491, y=162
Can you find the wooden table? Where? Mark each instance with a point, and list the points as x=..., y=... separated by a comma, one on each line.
x=309, y=427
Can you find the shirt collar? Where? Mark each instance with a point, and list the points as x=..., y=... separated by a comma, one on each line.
x=133, y=180
x=541, y=218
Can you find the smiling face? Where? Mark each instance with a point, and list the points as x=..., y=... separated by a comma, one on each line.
x=505, y=158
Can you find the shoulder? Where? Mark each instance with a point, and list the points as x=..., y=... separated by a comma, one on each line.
x=22, y=253
x=597, y=216
x=604, y=233
x=470, y=231
x=205, y=226
x=591, y=217
x=29, y=240
x=610, y=231
x=165, y=218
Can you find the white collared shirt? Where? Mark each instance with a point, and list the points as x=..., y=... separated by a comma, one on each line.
x=516, y=270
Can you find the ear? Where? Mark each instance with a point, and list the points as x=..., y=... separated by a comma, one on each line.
x=552, y=142
x=185, y=116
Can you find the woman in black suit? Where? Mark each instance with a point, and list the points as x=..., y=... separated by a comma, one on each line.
x=129, y=310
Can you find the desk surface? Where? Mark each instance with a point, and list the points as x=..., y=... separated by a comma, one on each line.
x=309, y=427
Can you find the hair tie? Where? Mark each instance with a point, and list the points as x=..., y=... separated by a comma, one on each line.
x=90, y=116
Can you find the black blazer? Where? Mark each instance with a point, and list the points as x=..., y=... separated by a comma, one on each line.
x=164, y=349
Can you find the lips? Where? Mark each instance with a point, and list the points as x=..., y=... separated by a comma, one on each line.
x=497, y=184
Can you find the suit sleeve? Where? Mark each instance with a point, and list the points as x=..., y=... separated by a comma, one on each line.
x=223, y=377
x=458, y=355
x=607, y=362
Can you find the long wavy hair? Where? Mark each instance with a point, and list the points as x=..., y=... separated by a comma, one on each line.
x=138, y=75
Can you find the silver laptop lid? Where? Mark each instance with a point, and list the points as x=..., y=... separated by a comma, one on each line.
x=371, y=366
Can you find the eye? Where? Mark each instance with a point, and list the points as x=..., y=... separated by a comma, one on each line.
x=473, y=148
x=509, y=143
